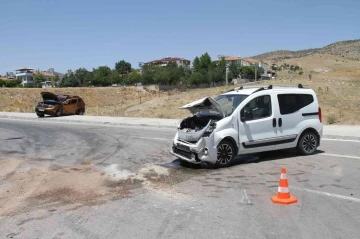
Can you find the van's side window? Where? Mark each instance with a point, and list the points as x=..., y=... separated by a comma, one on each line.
x=290, y=103
x=258, y=108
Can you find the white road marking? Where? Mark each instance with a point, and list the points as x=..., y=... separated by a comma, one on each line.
x=340, y=156
x=342, y=140
x=328, y=194
x=246, y=196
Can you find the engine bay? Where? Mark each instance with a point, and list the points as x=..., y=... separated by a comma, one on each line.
x=199, y=121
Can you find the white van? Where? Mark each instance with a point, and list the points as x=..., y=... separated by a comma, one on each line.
x=249, y=120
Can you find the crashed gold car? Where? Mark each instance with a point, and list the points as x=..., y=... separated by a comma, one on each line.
x=57, y=105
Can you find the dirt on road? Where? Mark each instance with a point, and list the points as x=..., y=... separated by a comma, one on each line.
x=25, y=188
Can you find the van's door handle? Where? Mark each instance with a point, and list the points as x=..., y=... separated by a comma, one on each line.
x=274, y=122
x=280, y=122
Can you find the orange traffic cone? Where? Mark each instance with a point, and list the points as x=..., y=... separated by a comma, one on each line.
x=283, y=196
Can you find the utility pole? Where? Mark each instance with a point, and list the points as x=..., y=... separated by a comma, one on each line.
x=227, y=72
x=255, y=72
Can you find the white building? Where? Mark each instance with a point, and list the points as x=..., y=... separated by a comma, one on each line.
x=25, y=74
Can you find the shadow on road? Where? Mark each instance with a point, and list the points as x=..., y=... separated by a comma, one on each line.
x=239, y=160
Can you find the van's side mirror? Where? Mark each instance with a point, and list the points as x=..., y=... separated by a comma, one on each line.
x=244, y=115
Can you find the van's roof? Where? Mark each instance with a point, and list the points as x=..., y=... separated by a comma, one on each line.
x=277, y=88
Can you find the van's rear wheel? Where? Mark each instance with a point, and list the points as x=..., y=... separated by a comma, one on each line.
x=308, y=143
x=225, y=153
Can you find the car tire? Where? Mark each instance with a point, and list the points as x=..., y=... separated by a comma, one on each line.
x=225, y=153
x=58, y=113
x=80, y=112
x=40, y=115
x=308, y=143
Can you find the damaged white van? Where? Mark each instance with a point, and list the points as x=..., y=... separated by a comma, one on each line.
x=249, y=120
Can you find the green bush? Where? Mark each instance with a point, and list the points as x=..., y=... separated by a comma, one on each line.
x=331, y=119
x=12, y=83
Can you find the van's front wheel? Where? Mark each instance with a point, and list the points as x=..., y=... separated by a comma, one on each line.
x=225, y=153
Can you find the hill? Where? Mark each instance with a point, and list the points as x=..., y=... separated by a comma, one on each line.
x=346, y=49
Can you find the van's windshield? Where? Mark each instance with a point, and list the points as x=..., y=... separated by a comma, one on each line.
x=230, y=102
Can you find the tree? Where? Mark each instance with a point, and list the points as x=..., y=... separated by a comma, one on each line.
x=274, y=67
x=148, y=72
x=123, y=67
x=38, y=77
x=115, y=78
x=102, y=76
x=248, y=72
x=162, y=76
x=196, y=64
x=234, y=70
x=196, y=78
x=84, y=76
x=215, y=75
x=205, y=61
x=133, y=78
x=70, y=80
x=10, y=83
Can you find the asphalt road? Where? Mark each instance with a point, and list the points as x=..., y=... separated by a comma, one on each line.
x=92, y=181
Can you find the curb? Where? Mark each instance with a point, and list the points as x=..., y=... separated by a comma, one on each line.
x=341, y=137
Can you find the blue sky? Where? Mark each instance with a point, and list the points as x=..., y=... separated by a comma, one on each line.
x=68, y=34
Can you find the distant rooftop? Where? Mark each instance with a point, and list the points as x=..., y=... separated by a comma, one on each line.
x=229, y=58
x=167, y=59
x=25, y=69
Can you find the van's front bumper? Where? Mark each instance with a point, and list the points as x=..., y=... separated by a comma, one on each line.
x=201, y=151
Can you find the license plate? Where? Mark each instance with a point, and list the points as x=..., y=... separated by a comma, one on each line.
x=183, y=147
x=40, y=109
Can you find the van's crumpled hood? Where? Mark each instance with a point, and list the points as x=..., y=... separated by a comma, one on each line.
x=49, y=96
x=206, y=103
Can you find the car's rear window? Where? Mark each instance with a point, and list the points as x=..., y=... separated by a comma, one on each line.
x=290, y=103
x=62, y=99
